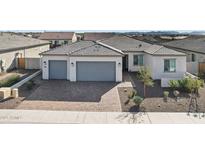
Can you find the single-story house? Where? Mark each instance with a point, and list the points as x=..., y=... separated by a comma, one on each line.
x=89, y=36
x=20, y=52
x=194, y=48
x=105, y=60
x=58, y=38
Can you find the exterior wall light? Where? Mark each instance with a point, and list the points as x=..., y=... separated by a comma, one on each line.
x=44, y=62
x=72, y=63
x=119, y=64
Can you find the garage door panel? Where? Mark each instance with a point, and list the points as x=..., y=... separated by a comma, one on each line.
x=96, y=71
x=57, y=69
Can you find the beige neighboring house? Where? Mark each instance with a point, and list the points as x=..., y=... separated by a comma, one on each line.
x=97, y=36
x=20, y=52
x=58, y=38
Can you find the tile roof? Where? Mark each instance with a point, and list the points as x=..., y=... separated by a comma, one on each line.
x=10, y=41
x=97, y=36
x=126, y=43
x=193, y=44
x=67, y=49
x=96, y=50
x=83, y=48
x=162, y=51
x=113, y=46
x=56, y=36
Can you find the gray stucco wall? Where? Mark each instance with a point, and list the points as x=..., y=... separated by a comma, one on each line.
x=31, y=56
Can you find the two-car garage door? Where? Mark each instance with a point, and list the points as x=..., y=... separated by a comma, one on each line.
x=85, y=71
x=95, y=71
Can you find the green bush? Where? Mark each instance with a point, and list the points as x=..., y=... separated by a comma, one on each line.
x=30, y=84
x=137, y=100
x=174, y=84
x=11, y=80
x=187, y=84
x=166, y=94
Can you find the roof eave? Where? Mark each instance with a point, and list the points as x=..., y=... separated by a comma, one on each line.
x=25, y=47
x=110, y=47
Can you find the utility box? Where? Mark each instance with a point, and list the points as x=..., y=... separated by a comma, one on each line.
x=5, y=93
x=15, y=93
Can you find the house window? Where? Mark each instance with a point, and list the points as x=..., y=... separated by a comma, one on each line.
x=138, y=60
x=170, y=65
x=193, y=57
x=65, y=42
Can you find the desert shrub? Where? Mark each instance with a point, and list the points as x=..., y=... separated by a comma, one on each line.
x=132, y=94
x=187, y=84
x=137, y=100
x=176, y=93
x=9, y=81
x=166, y=94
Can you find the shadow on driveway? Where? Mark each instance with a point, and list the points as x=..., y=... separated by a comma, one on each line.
x=63, y=90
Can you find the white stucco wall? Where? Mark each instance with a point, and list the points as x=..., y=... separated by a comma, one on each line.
x=131, y=66
x=113, y=59
x=74, y=39
x=71, y=73
x=199, y=57
x=193, y=67
x=45, y=65
x=158, y=67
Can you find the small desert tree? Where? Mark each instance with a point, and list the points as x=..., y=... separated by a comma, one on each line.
x=145, y=77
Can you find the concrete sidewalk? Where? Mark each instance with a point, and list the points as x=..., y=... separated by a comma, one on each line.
x=43, y=116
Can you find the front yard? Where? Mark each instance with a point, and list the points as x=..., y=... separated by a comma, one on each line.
x=7, y=79
x=154, y=101
x=98, y=97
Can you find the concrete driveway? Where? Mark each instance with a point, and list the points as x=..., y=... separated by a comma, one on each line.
x=73, y=96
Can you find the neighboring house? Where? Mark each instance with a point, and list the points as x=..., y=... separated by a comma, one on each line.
x=58, y=38
x=194, y=48
x=20, y=52
x=105, y=60
x=96, y=36
x=83, y=61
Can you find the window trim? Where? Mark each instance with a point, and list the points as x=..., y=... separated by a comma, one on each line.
x=169, y=62
x=138, y=59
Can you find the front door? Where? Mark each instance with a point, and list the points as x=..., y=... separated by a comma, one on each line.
x=125, y=63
